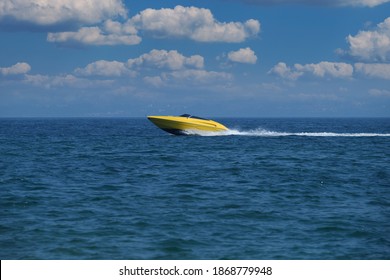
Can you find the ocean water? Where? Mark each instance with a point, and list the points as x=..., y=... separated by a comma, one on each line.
x=124, y=189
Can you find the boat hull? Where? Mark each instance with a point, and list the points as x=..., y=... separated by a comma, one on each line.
x=185, y=125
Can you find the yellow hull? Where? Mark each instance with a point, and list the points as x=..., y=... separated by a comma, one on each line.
x=182, y=125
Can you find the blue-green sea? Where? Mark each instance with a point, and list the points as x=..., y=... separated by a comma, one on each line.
x=89, y=188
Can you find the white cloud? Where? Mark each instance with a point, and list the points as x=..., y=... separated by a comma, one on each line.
x=243, y=56
x=69, y=80
x=379, y=92
x=362, y=3
x=37, y=80
x=195, y=23
x=104, y=68
x=371, y=45
x=325, y=68
x=172, y=68
x=158, y=68
x=66, y=80
x=189, y=22
x=321, y=69
x=368, y=3
x=332, y=69
x=94, y=36
x=374, y=70
x=119, y=28
x=51, y=12
x=172, y=60
x=155, y=81
x=194, y=75
x=281, y=69
x=16, y=69
x=154, y=60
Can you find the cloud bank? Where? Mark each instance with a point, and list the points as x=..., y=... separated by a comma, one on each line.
x=282, y=70
x=103, y=68
x=374, y=70
x=49, y=12
x=167, y=67
x=158, y=68
x=16, y=69
x=325, y=68
x=321, y=69
x=332, y=69
x=192, y=23
x=95, y=36
x=337, y=3
x=172, y=60
x=96, y=25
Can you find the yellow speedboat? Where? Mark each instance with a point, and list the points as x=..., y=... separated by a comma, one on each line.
x=186, y=124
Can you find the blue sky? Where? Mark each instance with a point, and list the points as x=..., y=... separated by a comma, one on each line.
x=232, y=58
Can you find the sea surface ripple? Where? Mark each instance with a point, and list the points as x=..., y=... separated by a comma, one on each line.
x=123, y=189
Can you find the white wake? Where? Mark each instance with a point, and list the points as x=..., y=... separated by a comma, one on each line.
x=260, y=132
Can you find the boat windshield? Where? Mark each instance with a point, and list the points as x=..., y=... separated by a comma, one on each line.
x=192, y=117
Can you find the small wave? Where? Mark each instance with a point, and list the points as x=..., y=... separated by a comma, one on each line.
x=259, y=132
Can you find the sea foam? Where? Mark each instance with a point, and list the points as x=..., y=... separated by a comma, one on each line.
x=260, y=132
